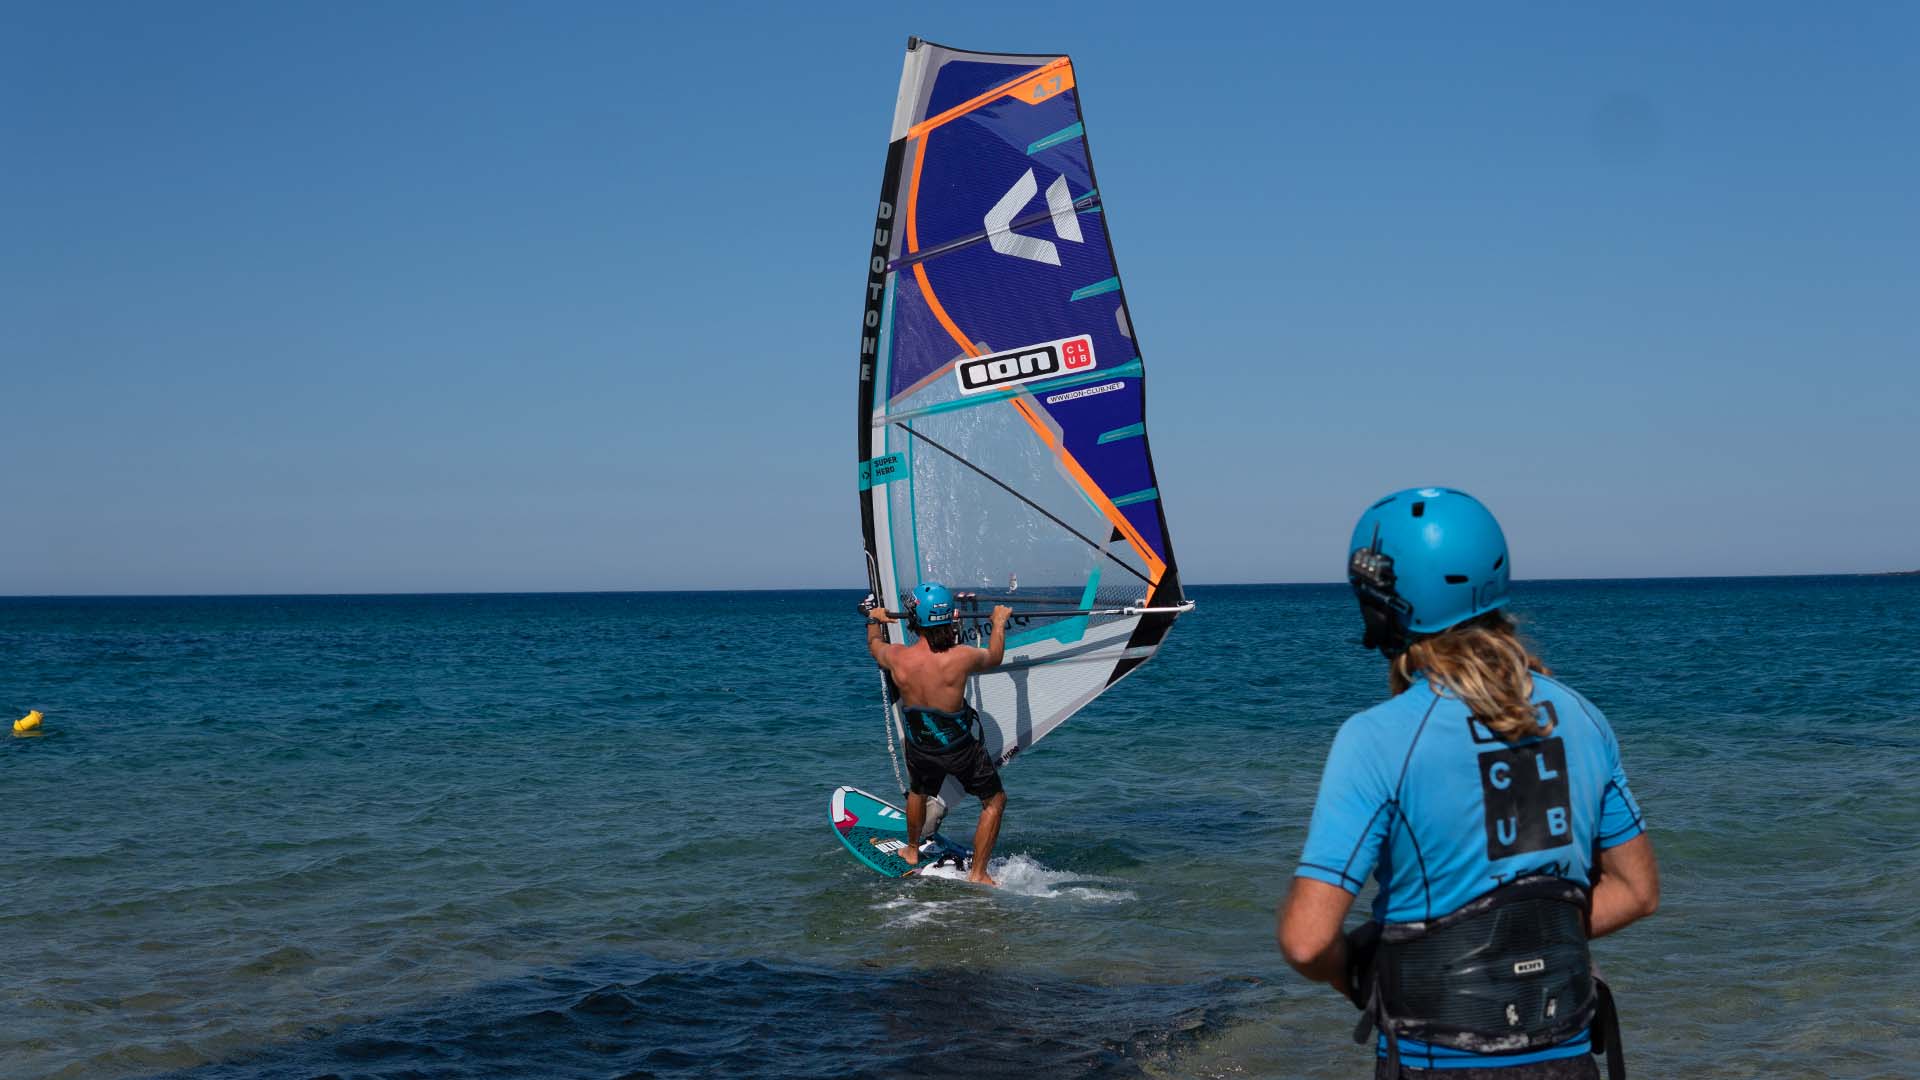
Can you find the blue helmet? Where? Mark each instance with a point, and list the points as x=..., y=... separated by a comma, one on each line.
x=1422, y=560
x=932, y=604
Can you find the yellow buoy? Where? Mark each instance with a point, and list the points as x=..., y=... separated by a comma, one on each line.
x=27, y=723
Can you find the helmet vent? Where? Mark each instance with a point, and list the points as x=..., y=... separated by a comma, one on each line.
x=1420, y=509
x=1456, y=579
x=1499, y=562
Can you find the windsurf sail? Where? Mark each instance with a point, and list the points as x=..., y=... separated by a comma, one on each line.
x=1002, y=430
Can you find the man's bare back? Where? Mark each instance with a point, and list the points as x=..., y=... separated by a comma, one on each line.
x=934, y=680
x=937, y=680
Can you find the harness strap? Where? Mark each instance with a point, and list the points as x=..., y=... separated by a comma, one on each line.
x=1373, y=1016
x=1605, y=1032
x=966, y=718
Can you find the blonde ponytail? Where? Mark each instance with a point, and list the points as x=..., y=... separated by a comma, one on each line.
x=1485, y=664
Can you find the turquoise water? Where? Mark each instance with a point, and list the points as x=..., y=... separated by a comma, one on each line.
x=586, y=836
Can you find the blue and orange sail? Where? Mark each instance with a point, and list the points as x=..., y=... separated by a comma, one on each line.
x=1002, y=432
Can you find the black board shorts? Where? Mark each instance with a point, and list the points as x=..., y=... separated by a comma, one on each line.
x=966, y=762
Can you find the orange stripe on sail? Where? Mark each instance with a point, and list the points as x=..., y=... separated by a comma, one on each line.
x=913, y=194
x=913, y=244
x=940, y=313
x=1045, y=82
x=1155, y=566
x=1049, y=80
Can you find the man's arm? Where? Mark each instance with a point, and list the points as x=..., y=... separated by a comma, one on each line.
x=997, y=642
x=1626, y=886
x=1308, y=930
x=877, y=643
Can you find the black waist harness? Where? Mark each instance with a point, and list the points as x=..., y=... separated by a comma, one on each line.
x=1507, y=972
x=934, y=731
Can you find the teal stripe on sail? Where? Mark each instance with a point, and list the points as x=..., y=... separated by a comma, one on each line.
x=1064, y=631
x=1132, y=497
x=1095, y=289
x=1071, y=131
x=1131, y=431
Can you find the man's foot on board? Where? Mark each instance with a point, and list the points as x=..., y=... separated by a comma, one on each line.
x=909, y=853
x=979, y=877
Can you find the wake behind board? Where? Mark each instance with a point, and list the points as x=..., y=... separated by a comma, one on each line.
x=875, y=830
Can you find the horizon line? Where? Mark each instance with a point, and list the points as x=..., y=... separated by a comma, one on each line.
x=852, y=588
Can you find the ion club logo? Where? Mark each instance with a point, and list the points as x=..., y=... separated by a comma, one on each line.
x=1063, y=357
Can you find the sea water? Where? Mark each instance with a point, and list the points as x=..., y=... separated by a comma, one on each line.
x=586, y=836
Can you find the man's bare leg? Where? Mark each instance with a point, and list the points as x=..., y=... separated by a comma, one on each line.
x=984, y=834
x=916, y=817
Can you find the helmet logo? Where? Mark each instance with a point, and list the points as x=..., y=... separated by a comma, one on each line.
x=931, y=605
x=1489, y=592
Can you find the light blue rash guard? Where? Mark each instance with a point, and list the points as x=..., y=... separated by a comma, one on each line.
x=1439, y=810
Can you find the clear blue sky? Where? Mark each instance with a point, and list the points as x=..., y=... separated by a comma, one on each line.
x=424, y=297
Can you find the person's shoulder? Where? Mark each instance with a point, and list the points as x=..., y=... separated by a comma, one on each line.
x=1414, y=703
x=1373, y=742
x=1399, y=715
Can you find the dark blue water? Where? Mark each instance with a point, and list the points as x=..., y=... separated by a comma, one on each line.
x=585, y=836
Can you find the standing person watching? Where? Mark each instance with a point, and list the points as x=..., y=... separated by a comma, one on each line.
x=1488, y=800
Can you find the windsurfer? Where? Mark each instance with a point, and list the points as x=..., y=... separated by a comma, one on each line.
x=941, y=728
